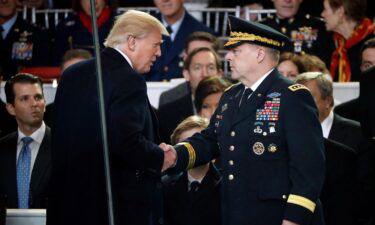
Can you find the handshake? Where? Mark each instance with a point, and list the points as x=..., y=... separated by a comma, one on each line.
x=170, y=156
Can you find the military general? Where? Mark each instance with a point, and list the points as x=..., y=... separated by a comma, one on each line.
x=266, y=134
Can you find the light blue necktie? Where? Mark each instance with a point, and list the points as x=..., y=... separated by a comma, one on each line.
x=23, y=173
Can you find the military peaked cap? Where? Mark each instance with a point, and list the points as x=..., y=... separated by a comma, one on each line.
x=242, y=31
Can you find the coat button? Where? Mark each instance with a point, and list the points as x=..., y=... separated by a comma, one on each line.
x=264, y=133
x=232, y=133
x=230, y=177
x=166, y=69
x=231, y=148
x=231, y=162
x=284, y=196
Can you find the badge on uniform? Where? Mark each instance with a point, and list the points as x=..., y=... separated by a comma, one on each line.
x=272, y=148
x=258, y=148
x=274, y=95
x=270, y=110
x=22, y=51
x=224, y=107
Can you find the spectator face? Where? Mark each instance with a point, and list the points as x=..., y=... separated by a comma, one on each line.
x=210, y=104
x=368, y=59
x=242, y=60
x=332, y=18
x=146, y=50
x=28, y=106
x=170, y=8
x=188, y=133
x=286, y=8
x=7, y=9
x=99, y=5
x=203, y=64
x=288, y=69
x=324, y=105
x=253, y=6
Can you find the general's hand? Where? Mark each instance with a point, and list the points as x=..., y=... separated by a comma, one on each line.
x=287, y=222
x=169, y=156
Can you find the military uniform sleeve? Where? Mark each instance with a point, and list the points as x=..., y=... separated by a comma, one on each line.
x=306, y=153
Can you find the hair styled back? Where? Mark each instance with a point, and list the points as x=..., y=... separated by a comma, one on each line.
x=208, y=86
x=132, y=23
x=323, y=81
x=188, y=124
x=21, y=78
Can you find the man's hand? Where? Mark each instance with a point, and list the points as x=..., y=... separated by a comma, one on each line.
x=169, y=156
x=287, y=222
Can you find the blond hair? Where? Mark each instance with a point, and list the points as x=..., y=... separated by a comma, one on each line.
x=188, y=124
x=133, y=23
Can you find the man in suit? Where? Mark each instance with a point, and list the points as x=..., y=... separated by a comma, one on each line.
x=8, y=123
x=345, y=131
x=21, y=44
x=200, y=63
x=259, y=130
x=78, y=188
x=25, y=157
x=180, y=24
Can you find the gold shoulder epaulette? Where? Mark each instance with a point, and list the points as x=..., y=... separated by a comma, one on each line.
x=296, y=87
x=228, y=88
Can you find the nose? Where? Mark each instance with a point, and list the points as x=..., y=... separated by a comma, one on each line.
x=228, y=56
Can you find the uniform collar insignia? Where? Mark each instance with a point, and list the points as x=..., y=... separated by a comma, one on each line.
x=274, y=95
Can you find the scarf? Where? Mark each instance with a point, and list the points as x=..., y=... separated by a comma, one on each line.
x=340, y=59
x=86, y=19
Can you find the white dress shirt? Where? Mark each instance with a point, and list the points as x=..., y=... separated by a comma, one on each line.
x=34, y=146
x=327, y=124
x=125, y=56
x=175, y=27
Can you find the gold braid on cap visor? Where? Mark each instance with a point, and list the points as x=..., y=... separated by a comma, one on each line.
x=236, y=37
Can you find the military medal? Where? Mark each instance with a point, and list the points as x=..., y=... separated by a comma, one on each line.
x=258, y=148
x=224, y=107
x=272, y=148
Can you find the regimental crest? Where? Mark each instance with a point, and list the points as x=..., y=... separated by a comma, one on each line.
x=258, y=148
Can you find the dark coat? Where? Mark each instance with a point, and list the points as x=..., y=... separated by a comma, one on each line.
x=78, y=191
x=70, y=34
x=367, y=104
x=182, y=207
x=273, y=166
x=23, y=36
x=175, y=105
x=339, y=189
x=349, y=110
x=8, y=123
x=167, y=65
x=39, y=183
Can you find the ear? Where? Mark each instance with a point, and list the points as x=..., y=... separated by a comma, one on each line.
x=220, y=72
x=261, y=54
x=329, y=102
x=186, y=75
x=184, y=55
x=341, y=12
x=10, y=109
x=131, y=43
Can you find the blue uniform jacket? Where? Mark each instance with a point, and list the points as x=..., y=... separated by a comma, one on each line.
x=271, y=153
x=167, y=66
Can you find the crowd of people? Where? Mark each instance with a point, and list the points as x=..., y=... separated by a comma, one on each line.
x=265, y=143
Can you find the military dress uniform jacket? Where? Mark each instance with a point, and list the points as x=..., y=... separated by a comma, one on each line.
x=307, y=34
x=271, y=153
x=25, y=45
x=167, y=66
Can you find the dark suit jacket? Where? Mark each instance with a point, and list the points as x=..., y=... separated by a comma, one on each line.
x=175, y=105
x=271, y=163
x=8, y=123
x=349, y=110
x=186, y=208
x=367, y=104
x=347, y=132
x=78, y=191
x=167, y=66
x=339, y=190
x=40, y=176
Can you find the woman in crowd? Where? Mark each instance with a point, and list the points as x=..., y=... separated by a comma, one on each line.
x=290, y=65
x=313, y=63
x=192, y=197
x=346, y=18
x=208, y=94
x=76, y=30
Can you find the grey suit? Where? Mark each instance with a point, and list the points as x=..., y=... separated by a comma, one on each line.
x=39, y=177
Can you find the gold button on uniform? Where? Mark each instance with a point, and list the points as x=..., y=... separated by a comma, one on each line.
x=232, y=133
x=230, y=177
x=231, y=162
x=231, y=148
